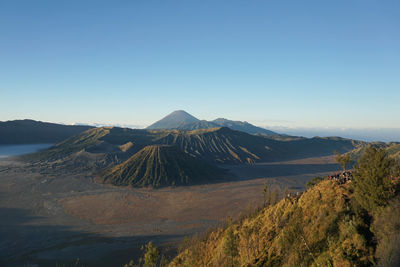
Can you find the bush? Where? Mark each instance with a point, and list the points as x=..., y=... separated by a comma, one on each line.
x=387, y=229
x=372, y=184
x=151, y=255
x=314, y=181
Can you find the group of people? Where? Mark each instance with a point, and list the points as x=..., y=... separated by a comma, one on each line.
x=395, y=179
x=294, y=195
x=341, y=177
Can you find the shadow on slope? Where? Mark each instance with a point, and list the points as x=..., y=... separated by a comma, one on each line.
x=25, y=241
x=255, y=171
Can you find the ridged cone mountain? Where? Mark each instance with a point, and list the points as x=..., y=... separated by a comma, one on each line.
x=161, y=165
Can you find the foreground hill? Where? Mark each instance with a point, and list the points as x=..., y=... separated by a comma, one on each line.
x=182, y=120
x=348, y=220
x=35, y=132
x=161, y=165
x=325, y=226
x=312, y=230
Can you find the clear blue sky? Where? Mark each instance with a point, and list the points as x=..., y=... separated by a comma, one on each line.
x=291, y=63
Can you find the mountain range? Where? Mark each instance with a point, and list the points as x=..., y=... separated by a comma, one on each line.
x=173, y=156
x=141, y=157
x=216, y=145
x=36, y=132
x=182, y=120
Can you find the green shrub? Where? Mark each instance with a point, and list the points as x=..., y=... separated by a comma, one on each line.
x=151, y=255
x=314, y=181
x=372, y=184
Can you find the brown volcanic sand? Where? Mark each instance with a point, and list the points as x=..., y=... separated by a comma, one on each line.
x=208, y=202
x=49, y=214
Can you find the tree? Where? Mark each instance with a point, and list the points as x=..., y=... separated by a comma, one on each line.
x=265, y=192
x=372, y=183
x=342, y=159
x=230, y=245
x=275, y=195
x=151, y=255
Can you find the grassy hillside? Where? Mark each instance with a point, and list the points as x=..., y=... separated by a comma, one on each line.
x=317, y=229
x=323, y=227
x=34, y=132
x=333, y=223
x=161, y=165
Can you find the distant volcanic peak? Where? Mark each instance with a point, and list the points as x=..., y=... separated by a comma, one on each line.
x=174, y=120
x=181, y=112
x=161, y=165
x=182, y=120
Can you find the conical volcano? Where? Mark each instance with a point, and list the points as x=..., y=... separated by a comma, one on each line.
x=161, y=165
x=174, y=120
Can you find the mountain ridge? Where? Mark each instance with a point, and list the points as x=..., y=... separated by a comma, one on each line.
x=33, y=132
x=215, y=145
x=182, y=120
x=243, y=126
